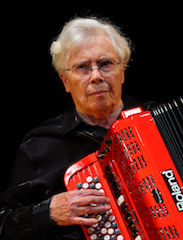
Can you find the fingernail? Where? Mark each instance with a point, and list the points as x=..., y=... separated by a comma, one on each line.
x=107, y=206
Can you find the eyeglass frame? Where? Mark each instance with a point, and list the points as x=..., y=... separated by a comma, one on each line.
x=91, y=66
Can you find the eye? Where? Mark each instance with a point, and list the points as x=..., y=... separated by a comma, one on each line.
x=81, y=66
x=105, y=63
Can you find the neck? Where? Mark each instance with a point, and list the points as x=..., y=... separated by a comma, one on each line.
x=100, y=120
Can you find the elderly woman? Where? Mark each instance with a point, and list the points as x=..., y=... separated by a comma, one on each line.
x=90, y=57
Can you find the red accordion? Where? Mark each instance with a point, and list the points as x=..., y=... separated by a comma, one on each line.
x=139, y=166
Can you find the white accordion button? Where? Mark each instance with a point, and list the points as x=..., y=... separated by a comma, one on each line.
x=107, y=224
x=93, y=236
x=99, y=217
x=95, y=225
x=91, y=230
x=110, y=231
x=138, y=238
x=85, y=185
x=107, y=237
x=120, y=237
x=103, y=231
x=89, y=179
x=111, y=218
x=98, y=186
x=120, y=200
x=109, y=212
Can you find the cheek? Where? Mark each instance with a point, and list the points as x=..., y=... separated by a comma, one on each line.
x=115, y=84
x=78, y=89
x=74, y=84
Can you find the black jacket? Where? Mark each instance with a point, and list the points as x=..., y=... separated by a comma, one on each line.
x=46, y=152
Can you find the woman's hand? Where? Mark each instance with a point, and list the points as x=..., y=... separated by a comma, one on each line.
x=67, y=208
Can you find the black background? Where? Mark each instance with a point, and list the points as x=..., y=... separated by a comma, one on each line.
x=30, y=88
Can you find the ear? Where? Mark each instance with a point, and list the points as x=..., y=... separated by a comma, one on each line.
x=123, y=77
x=123, y=65
x=65, y=82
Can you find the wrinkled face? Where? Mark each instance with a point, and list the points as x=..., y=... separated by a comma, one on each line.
x=96, y=92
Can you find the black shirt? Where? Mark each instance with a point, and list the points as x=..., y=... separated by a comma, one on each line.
x=42, y=159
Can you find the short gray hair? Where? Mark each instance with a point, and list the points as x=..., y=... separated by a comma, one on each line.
x=81, y=30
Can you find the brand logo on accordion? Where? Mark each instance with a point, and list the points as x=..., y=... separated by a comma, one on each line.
x=174, y=188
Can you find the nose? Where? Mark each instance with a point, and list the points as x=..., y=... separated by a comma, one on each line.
x=96, y=76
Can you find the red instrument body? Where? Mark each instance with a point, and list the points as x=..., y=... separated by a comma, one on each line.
x=138, y=175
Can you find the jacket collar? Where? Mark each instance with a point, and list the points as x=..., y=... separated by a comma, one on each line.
x=70, y=120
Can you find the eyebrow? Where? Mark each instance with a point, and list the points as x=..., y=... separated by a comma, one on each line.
x=80, y=63
x=99, y=60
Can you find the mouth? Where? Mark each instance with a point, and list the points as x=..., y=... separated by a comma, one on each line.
x=98, y=93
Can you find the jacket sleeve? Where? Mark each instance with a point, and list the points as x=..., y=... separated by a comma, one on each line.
x=26, y=221
x=38, y=175
x=24, y=207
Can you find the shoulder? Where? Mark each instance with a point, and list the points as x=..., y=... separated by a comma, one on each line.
x=131, y=102
x=49, y=127
x=57, y=126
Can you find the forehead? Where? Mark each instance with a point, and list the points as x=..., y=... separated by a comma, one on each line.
x=93, y=50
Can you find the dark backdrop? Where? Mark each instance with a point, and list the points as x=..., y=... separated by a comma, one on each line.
x=30, y=89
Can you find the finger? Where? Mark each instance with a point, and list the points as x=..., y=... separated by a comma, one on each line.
x=92, y=209
x=84, y=221
x=86, y=192
x=83, y=201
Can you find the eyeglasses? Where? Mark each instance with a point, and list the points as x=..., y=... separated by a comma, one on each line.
x=106, y=67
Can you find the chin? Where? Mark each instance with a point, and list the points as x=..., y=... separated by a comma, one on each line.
x=101, y=107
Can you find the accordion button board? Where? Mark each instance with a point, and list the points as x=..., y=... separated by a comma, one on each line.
x=134, y=169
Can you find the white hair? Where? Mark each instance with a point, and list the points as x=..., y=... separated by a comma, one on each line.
x=81, y=30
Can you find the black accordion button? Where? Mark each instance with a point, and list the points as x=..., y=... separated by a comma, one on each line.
x=117, y=192
x=128, y=216
x=111, y=176
x=124, y=208
x=131, y=224
x=134, y=233
x=114, y=185
x=107, y=169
